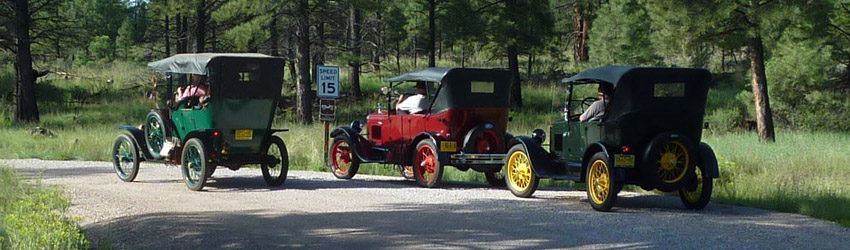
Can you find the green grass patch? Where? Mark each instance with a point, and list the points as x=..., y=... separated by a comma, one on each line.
x=34, y=217
x=802, y=173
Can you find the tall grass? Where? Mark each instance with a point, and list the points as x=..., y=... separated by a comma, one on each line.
x=34, y=217
x=803, y=173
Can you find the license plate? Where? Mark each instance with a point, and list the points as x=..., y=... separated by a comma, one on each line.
x=627, y=161
x=244, y=134
x=448, y=146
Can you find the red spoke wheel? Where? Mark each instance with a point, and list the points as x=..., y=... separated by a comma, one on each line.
x=426, y=165
x=342, y=159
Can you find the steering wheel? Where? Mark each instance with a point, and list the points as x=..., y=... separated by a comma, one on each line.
x=586, y=102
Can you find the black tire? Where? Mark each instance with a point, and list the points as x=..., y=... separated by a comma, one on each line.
x=194, y=164
x=156, y=132
x=496, y=179
x=519, y=172
x=669, y=162
x=697, y=194
x=342, y=159
x=125, y=158
x=276, y=148
x=426, y=164
x=406, y=172
x=602, y=187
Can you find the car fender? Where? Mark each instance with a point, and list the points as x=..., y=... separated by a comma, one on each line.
x=468, y=145
x=595, y=147
x=355, y=139
x=541, y=162
x=708, y=160
x=139, y=136
x=442, y=156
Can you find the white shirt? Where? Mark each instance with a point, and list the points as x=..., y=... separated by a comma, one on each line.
x=413, y=104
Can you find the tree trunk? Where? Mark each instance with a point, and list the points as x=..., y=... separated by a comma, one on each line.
x=167, y=35
x=291, y=57
x=379, y=44
x=305, y=96
x=513, y=67
x=432, y=32
x=529, y=72
x=354, y=72
x=764, y=116
x=580, y=28
x=319, y=54
x=274, y=36
x=200, y=26
x=27, y=108
x=398, y=57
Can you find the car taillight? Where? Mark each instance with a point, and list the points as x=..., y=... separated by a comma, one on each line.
x=216, y=133
x=626, y=149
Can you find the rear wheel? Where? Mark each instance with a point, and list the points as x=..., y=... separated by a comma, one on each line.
x=669, y=163
x=519, y=173
x=426, y=164
x=125, y=158
x=698, y=193
x=496, y=179
x=602, y=189
x=194, y=164
x=343, y=162
x=156, y=133
x=275, y=174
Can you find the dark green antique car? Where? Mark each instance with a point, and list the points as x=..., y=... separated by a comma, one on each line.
x=231, y=127
x=649, y=136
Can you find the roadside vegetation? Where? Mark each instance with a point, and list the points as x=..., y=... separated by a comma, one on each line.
x=803, y=172
x=32, y=216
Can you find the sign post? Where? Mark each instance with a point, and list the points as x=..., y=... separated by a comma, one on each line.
x=328, y=89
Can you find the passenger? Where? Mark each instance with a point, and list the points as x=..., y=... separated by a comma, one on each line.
x=415, y=103
x=198, y=88
x=597, y=110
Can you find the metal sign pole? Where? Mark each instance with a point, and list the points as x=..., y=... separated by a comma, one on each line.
x=327, y=132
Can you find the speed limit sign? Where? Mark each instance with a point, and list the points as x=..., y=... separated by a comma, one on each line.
x=328, y=82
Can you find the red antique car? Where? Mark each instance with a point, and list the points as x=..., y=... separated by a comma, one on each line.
x=462, y=124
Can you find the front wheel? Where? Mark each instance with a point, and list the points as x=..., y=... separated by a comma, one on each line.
x=275, y=174
x=194, y=164
x=602, y=188
x=343, y=161
x=496, y=179
x=519, y=173
x=697, y=194
x=125, y=158
x=426, y=164
x=156, y=133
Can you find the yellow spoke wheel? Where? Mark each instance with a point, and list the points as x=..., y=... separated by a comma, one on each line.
x=519, y=172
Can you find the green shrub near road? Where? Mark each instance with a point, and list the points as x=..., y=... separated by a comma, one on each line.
x=33, y=216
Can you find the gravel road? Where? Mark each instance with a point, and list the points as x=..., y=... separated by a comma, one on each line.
x=315, y=210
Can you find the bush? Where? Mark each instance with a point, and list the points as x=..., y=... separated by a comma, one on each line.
x=33, y=217
x=7, y=83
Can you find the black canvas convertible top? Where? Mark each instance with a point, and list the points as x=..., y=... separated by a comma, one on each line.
x=424, y=75
x=194, y=63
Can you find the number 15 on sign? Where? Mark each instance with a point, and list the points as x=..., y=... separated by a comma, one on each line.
x=328, y=81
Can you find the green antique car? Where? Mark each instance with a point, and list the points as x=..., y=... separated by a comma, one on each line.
x=230, y=127
x=648, y=136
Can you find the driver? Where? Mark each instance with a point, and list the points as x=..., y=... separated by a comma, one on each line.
x=597, y=110
x=415, y=103
x=198, y=88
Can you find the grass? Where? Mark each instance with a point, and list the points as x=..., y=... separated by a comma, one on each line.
x=801, y=173
x=34, y=217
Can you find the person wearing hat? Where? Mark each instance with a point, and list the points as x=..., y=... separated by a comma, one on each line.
x=415, y=103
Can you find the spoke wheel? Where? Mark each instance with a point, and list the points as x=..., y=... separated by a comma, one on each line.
x=155, y=134
x=520, y=177
x=342, y=159
x=406, y=172
x=426, y=165
x=672, y=162
x=275, y=174
x=125, y=158
x=496, y=179
x=194, y=164
x=698, y=193
x=602, y=189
